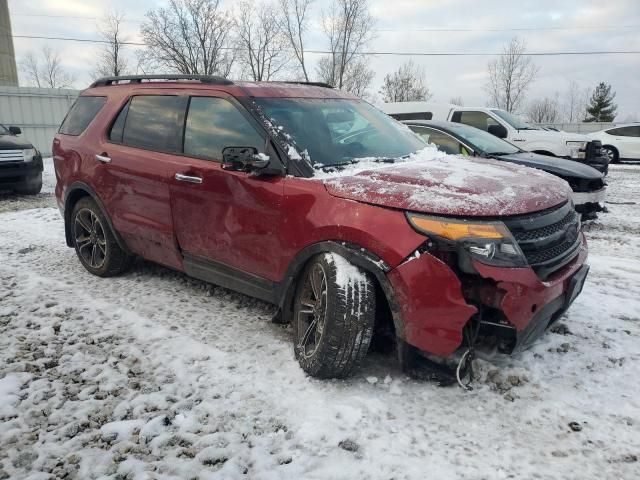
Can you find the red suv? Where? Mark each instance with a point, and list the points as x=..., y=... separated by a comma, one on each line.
x=312, y=199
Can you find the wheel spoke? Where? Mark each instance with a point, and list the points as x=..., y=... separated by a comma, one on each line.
x=83, y=243
x=314, y=283
x=93, y=256
x=83, y=223
x=307, y=334
x=102, y=245
x=309, y=307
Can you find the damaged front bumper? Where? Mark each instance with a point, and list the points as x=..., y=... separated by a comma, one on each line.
x=512, y=304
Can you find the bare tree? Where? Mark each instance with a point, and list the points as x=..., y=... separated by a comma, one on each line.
x=348, y=26
x=571, y=109
x=510, y=75
x=405, y=85
x=111, y=60
x=544, y=110
x=190, y=37
x=457, y=101
x=30, y=68
x=45, y=70
x=295, y=23
x=261, y=41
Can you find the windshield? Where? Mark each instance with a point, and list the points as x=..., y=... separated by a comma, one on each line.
x=514, y=121
x=340, y=131
x=483, y=141
x=3, y=130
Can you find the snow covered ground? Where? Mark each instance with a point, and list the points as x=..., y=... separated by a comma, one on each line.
x=155, y=375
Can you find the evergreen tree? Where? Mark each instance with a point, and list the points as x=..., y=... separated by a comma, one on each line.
x=601, y=107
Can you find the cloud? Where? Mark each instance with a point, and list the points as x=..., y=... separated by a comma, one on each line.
x=447, y=76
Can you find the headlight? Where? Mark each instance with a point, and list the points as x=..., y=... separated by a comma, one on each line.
x=577, y=149
x=487, y=242
x=28, y=154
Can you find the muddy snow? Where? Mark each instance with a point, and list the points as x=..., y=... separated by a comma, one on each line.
x=153, y=375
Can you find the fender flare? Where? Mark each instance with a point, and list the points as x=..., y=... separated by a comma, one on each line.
x=355, y=254
x=76, y=191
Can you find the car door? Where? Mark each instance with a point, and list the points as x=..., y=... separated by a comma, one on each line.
x=227, y=222
x=445, y=143
x=133, y=169
x=626, y=140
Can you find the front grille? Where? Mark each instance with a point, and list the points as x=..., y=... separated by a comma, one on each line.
x=547, y=230
x=594, y=149
x=549, y=240
x=11, y=156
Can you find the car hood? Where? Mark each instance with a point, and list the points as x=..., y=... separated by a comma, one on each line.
x=554, y=165
x=9, y=142
x=452, y=185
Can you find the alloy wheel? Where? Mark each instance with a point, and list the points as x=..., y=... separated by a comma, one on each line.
x=90, y=238
x=312, y=311
x=607, y=152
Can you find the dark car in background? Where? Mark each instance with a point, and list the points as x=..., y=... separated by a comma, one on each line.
x=587, y=183
x=20, y=163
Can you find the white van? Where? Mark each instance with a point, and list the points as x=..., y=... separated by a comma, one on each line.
x=502, y=124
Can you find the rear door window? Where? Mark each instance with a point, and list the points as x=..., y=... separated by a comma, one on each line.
x=153, y=122
x=80, y=115
x=625, y=131
x=444, y=142
x=214, y=124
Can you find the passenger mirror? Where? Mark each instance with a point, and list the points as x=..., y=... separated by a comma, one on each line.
x=15, y=130
x=498, y=131
x=243, y=159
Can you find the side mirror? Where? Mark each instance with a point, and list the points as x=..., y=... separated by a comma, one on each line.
x=15, y=130
x=498, y=131
x=243, y=159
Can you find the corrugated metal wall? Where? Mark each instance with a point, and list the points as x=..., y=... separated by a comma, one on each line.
x=37, y=111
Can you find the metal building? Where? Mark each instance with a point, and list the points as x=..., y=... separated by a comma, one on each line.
x=8, y=70
x=37, y=111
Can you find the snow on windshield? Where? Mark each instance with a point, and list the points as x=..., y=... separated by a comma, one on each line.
x=430, y=152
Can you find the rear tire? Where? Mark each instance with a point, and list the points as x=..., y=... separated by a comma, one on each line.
x=611, y=153
x=95, y=243
x=333, y=316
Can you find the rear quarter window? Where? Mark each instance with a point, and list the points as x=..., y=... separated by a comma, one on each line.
x=625, y=131
x=81, y=114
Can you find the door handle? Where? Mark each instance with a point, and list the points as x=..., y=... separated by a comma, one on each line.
x=103, y=158
x=187, y=178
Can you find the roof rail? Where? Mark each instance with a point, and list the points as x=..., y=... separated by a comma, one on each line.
x=311, y=84
x=211, y=79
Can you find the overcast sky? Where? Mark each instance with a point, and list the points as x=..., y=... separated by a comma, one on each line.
x=398, y=28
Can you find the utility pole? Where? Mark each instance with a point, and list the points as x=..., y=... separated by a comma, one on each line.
x=8, y=69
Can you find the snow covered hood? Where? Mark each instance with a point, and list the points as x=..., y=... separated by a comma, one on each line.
x=432, y=182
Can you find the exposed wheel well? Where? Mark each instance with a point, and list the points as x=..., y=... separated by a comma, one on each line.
x=388, y=321
x=78, y=191
x=70, y=202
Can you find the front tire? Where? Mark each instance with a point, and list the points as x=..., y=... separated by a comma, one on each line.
x=95, y=243
x=611, y=153
x=334, y=316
